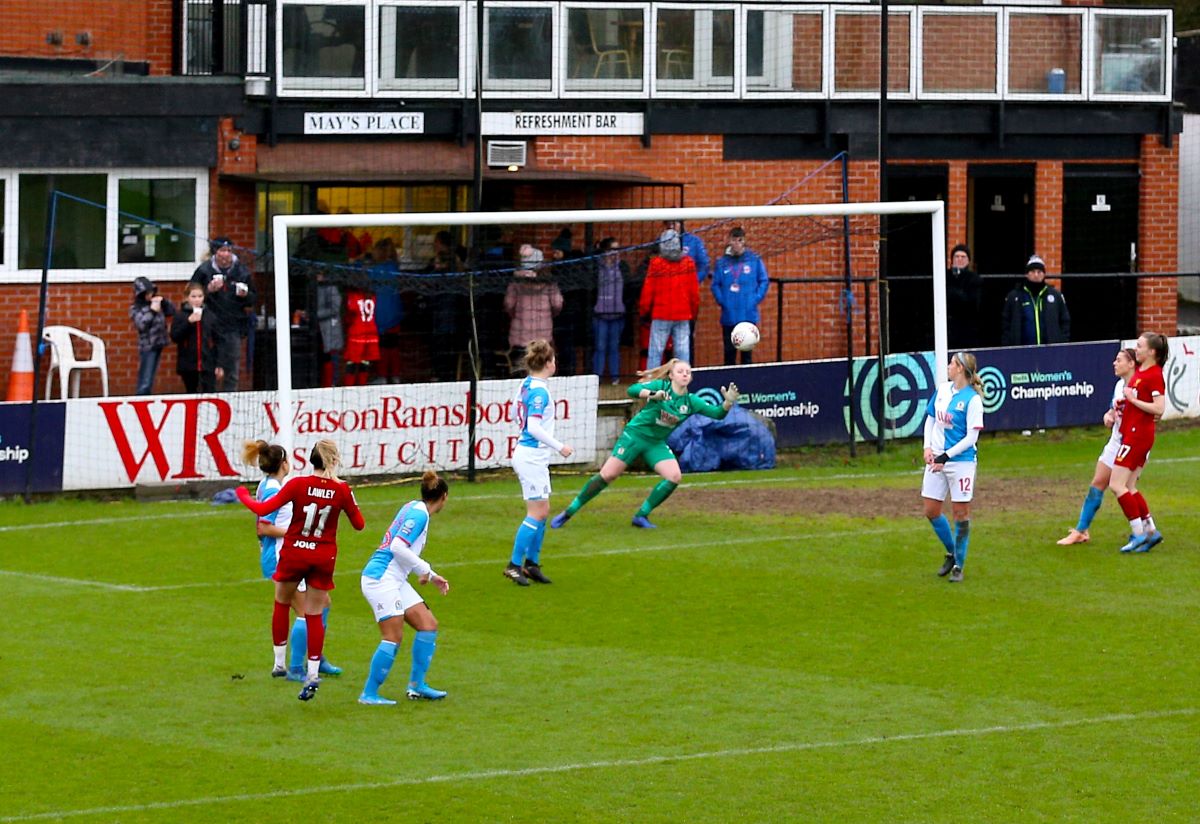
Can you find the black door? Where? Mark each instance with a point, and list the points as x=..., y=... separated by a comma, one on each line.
x=1100, y=217
x=909, y=256
x=1000, y=228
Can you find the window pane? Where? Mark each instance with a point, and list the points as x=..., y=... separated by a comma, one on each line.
x=784, y=50
x=519, y=46
x=604, y=48
x=157, y=220
x=419, y=43
x=324, y=41
x=2, y=213
x=1130, y=54
x=1044, y=51
x=676, y=42
x=78, y=226
x=856, y=52
x=970, y=69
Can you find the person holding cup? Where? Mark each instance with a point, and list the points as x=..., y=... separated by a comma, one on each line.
x=229, y=299
x=149, y=312
x=195, y=336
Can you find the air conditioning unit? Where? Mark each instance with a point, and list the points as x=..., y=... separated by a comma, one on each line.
x=506, y=153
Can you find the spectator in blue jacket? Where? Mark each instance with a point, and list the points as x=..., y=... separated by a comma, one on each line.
x=739, y=284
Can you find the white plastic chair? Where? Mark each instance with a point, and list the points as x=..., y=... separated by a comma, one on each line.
x=63, y=358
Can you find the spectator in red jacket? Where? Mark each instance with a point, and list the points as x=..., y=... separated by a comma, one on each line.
x=671, y=298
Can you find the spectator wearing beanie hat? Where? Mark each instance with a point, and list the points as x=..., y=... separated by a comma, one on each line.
x=228, y=299
x=670, y=298
x=739, y=284
x=149, y=312
x=963, y=288
x=1035, y=312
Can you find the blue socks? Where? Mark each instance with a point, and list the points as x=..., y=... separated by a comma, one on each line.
x=423, y=646
x=1091, y=505
x=534, y=552
x=299, y=643
x=381, y=665
x=960, y=543
x=526, y=536
x=941, y=526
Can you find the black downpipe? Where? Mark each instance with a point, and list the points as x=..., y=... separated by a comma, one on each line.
x=43, y=295
x=848, y=301
x=883, y=196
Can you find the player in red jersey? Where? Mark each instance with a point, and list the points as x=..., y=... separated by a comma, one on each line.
x=362, y=337
x=309, y=550
x=1145, y=401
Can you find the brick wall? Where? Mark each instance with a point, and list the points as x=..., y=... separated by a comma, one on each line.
x=808, y=33
x=1038, y=43
x=133, y=30
x=1158, y=240
x=959, y=53
x=856, y=52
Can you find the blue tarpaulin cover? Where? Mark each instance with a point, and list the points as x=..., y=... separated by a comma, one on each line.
x=741, y=441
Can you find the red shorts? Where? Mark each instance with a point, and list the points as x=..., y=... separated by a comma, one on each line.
x=358, y=351
x=1132, y=455
x=314, y=566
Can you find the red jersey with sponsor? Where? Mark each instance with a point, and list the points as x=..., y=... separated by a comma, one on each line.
x=1137, y=425
x=317, y=504
x=360, y=318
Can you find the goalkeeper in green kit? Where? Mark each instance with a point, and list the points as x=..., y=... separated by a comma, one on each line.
x=669, y=404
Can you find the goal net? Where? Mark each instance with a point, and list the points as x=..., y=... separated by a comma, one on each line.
x=454, y=296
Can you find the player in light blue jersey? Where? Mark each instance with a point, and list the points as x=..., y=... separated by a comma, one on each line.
x=954, y=418
x=272, y=460
x=531, y=462
x=394, y=600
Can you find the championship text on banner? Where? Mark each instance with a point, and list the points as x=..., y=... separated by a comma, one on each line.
x=16, y=455
x=380, y=430
x=1027, y=387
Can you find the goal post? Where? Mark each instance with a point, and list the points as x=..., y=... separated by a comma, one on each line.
x=282, y=224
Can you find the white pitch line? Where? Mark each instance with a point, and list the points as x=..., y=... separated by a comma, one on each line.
x=648, y=761
x=54, y=579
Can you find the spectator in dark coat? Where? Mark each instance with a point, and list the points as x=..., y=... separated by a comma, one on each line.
x=229, y=300
x=149, y=313
x=1034, y=311
x=962, y=300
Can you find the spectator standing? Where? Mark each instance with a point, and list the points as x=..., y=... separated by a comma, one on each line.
x=530, y=303
x=1035, y=312
x=229, y=300
x=329, y=322
x=149, y=313
x=671, y=298
x=195, y=338
x=739, y=284
x=692, y=246
x=962, y=300
x=447, y=307
x=608, y=314
x=570, y=325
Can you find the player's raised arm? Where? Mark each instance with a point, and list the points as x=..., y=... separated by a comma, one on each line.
x=271, y=504
x=352, y=511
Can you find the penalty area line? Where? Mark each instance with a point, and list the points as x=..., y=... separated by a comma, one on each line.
x=583, y=766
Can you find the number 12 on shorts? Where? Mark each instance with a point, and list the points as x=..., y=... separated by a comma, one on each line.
x=964, y=485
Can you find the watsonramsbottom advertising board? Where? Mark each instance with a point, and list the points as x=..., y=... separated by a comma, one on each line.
x=380, y=430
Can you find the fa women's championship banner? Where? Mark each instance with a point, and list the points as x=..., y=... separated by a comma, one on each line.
x=1025, y=387
x=22, y=466
x=380, y=430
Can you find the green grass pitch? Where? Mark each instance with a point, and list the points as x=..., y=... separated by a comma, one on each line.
x=778, y=650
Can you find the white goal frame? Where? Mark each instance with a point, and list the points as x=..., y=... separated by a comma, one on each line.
x=280, y=224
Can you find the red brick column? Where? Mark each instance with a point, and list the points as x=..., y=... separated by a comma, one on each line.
x=1158, y=228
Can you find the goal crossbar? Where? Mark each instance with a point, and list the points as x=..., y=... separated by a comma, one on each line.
x=280, y=225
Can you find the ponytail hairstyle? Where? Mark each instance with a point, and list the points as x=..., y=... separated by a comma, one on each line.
x=268, y=456
x=1157, y=344
x=659, y=372
x=433, y=487
x=970, y=367
x=325, y=456
x=537, y=354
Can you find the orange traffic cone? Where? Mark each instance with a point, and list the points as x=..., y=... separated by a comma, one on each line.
x=20, y=380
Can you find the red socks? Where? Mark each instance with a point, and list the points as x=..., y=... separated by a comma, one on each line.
x=279, y=623
x=316, y=636
x=1143, y=507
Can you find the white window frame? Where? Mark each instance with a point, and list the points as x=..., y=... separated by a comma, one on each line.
x=582, y=88
x=422, y=87
x=331, y=86
x=1091, y=36
x=513, y=88
x=703, y=82
x=913, y=44
x=749, y=93
x=112, y=272
x=1084, y=54
x=1000, y=46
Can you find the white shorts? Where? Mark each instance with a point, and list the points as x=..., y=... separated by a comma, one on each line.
x=956, y=477
x=532, y=466
x=389, y=599
x=1109, y=456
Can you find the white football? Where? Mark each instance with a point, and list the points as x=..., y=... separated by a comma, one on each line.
x=744, y=336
